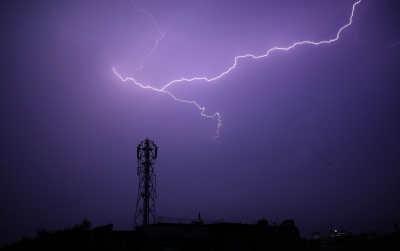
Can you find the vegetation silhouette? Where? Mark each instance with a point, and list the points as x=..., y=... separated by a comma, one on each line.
x=196, y=236
x=75, y=238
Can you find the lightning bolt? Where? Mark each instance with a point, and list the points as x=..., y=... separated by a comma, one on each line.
x=202, y=109
x=162, y=34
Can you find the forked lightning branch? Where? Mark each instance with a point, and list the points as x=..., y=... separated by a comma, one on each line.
x=202, y=109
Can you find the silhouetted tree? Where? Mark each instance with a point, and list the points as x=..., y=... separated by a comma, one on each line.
x=76, y=238
x=396, y=227
x=42, y=232
x=85, y=225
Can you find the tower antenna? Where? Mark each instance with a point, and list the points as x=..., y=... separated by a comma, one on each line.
x=145, y=206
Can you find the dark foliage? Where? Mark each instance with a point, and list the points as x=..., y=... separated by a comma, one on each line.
x=76, y=238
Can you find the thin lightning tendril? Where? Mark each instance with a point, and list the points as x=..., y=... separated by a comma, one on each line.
x=202, y=109
x=157, y=41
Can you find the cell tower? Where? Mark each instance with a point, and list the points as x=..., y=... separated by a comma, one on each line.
x=145, y=206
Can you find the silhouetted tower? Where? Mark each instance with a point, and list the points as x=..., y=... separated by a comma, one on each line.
x=145, y=206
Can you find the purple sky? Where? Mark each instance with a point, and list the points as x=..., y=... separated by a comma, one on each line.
x=69, y=126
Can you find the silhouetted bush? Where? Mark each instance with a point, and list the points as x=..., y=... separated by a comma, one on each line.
x=76, y=238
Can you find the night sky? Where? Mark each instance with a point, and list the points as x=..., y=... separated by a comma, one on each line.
x=310, y=134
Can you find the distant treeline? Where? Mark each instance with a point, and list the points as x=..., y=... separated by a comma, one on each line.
x=75, y=238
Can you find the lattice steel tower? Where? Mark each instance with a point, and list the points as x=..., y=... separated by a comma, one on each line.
x=145, y=206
